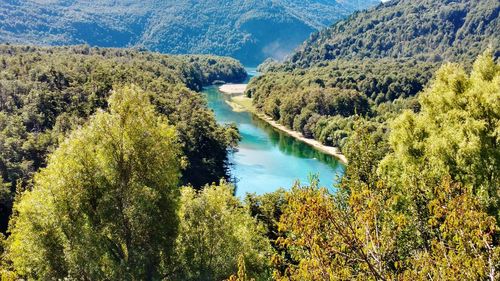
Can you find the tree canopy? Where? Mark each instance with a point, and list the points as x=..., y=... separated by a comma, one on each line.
x=215, y=231
x=427, y=30
x=455, y=134
x=423, y=206
x=104, y=208
x=47, y=92
x=372, y=65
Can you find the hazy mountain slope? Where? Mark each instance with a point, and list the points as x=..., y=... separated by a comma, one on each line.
x=247, y=29
x=422, y=29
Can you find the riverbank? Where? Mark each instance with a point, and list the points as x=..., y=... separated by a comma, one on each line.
x=233, y=89
x=330, y=150
x=240, y=103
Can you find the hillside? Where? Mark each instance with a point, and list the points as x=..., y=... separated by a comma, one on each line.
x=47, y=92
x=247, y=30
x=425, y=29
x=372, y=65
x=422, y=206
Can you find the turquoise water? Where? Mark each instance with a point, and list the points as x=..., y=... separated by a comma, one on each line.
x=268, y=159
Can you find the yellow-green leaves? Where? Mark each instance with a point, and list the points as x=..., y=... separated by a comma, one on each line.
x=456, y=133
x=215, y=230
x=104, y=208
x=428, y=213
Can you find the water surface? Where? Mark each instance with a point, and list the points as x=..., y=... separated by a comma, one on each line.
x=267, y=158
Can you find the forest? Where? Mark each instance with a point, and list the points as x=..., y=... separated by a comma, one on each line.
x=346, y=72
x=427, y=30
x=47, y=92
x=249, y=30
x=422, y=204
x=113, y=166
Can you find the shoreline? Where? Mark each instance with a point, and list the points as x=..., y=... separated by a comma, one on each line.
x=233, y=89
x=238, y=90
x=330, y=150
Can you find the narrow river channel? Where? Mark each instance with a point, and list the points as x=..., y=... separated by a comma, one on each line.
x=267, y=158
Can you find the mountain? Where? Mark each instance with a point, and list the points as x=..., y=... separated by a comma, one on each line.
x=373, y=65
x=424, y=29
x=250, y=30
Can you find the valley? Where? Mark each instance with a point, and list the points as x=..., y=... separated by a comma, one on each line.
x=267, y=158
x=250, y=31
x=136, y=145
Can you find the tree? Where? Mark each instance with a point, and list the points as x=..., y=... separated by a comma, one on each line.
x=456, y=133
x=215, y=230
x=370, y=231
x=104, y=208
x=424, y=211
x=327, y=237
x=45, y=92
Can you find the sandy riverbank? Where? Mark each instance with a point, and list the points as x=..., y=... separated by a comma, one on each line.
x=241, y=103
x=233, y=89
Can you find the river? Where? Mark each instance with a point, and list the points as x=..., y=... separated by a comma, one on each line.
x=267, y=158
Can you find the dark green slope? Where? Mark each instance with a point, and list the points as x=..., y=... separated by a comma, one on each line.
x=248, y=30
x=372, y=65
x=431, y=30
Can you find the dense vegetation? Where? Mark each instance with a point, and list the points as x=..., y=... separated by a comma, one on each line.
x=112, y=157
x=215, y=231
x=248, y=30
x=46, y=92
x=107, y=193
x=427, y=30
x=110, y=197
x=421, y=205
x=323, y=102
x=372, y=65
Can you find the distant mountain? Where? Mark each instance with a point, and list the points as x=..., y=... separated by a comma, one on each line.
x=249, y=30
x=431, y=30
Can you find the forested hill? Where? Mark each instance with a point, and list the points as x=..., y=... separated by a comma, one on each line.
x=373, y=65
x=248, y=30
x=432, y=30
x=47, y=92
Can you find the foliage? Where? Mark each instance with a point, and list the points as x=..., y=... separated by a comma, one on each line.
x=248, y=30
x=371, y=239
x=427, y=30
x=104, y=208
x=242, y=275
x=416, y=212
x=385, y=55
x=215, y=231
x=46, y=92
x=324, y=102
x=456, y=133
x=267, y=208
x=270, y=64
x=380, y=80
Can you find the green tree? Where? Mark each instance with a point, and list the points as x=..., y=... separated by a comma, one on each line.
x=105, y=206
x=45, y=92
x=456, y=133
x=215, y=230
x=429, y=211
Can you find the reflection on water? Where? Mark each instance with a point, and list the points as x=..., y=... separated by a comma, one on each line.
x=268, y=158
x=290, y=146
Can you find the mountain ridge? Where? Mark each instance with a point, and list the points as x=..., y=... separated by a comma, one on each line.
x=248, y=30
x=373, y=65
x=424, y=29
